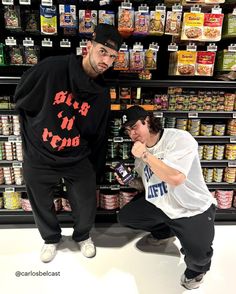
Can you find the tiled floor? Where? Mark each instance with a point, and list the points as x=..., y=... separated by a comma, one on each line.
x=123, y=264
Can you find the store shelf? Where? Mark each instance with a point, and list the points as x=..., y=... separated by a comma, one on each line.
x=11, y=138
x=215, y=139
x=8, y=112
x=218, y=163
x=11, y=163
x=221, y=186
x=9, y=80
x=196, y=84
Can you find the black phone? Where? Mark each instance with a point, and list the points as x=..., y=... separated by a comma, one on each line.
x=123, y=172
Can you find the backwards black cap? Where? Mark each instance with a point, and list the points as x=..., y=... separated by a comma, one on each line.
x=107, y=35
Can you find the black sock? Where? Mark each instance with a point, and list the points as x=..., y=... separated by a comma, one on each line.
x=191, y=274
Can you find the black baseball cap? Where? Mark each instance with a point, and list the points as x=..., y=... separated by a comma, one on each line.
x=107, y=35
x=133, y=114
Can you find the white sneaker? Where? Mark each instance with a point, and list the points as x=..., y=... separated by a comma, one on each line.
x=191, y=284
x=87, y=248
x=48, y=252
x=157, y=242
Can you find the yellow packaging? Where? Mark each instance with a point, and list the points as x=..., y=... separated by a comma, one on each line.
x=192, y=28
x=182, y=63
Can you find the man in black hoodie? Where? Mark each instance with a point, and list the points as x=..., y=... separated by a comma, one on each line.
x=63, y=107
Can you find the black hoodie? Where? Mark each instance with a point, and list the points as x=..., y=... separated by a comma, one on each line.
x=63, y=113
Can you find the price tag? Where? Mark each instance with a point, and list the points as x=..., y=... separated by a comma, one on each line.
x=157, y=114
x=216, y=10
x=212, y=48
x=25, y=2
x=104, y=2
x=79, y=51
x=154, y=47
x=28, y=43
x=232, y=163
x=65, y=43
x=8, y=2
x=17, y=164
x=191, y=47
x=126, y=5
x=232, y=140
x=46, y=43
x=192, y=114
x=124, y=47
x=195, y=8
x=161, y=7
x=46, y=2
x=177, y=7
x=10, y=189
x=234, y=11
x=118, y=139
x=12, y=139
x=173, y=47
x=115, y=187
x=232, y=48
x=234, y=115
x=143, y=8
x=10, y=41
x=138, y=47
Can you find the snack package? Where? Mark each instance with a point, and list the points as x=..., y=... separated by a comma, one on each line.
x=31, y=55
x=67, y=16
x=48, y=19
x=226, y=61
x=212, y=26
x=12, y=17
x=16, y=55
x=192, y=28
x=31, y=21
x=122, y=60
x=2, y=55
x=229, y=26
x=182, y=63
x=150, y=59
x=106, y=16
x=141, y=23
x=137, y=60
x=173, y=23
x=87, y=21
x=125, y=21
x=205, y=63
x=157, y=22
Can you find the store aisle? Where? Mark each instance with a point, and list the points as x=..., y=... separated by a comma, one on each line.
x=124, y=264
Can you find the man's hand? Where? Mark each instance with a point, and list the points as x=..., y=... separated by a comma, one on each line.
x=138, y=149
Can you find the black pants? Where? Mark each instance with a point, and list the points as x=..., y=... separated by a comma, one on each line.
x=195, y=233
x=80, y=183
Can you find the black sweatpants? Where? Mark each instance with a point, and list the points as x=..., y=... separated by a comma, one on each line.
x=80, y=183
x=195, y=233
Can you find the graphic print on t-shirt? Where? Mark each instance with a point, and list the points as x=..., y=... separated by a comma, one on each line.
x=67, y=123
x=157, y=189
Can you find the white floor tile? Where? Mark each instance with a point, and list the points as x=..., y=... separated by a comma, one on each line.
x=123, y=264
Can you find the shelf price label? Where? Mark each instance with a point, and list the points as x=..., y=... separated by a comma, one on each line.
x=115, y=187
x=13, y=139
x=192, y=114
x=25, y=2
x=8, y=2
x=157, y=114
x=172, y=47
x=234, y=115
x=65, y=43
x=232, y=140
x=46, y=42
x=17, y=164
x=232, y=163
x=118, y=139
x=10, y=189
x=28, y=42
x=46, y=2
x=10, y=41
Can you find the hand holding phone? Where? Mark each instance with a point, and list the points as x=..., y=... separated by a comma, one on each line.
x=124, y=174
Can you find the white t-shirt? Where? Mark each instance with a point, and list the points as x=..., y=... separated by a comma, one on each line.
x=179, y=150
